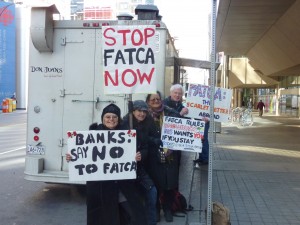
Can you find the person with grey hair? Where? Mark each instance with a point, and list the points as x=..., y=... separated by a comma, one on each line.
x=174, y=101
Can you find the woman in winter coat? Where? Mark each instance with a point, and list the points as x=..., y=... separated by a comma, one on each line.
x=142, y=123
x=164, y=173
x=106, y=200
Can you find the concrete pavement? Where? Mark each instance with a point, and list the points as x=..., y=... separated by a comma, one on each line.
x=256, y=174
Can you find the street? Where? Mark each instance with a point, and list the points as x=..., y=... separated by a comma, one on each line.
x=26, y=202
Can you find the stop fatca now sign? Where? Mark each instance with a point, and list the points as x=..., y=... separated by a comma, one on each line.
x=129, y=59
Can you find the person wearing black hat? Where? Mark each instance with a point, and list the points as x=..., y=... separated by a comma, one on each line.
x=141, y=123
x=108, y=200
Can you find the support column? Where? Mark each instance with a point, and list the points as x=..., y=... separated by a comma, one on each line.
x=277, y=94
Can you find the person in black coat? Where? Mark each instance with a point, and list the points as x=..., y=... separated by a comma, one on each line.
x=108, y=200
x=164, y=173
x=174, y=101
x=142, y=122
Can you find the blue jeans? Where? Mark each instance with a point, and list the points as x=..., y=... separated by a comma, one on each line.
x=205, y=148
x=150, y=202
x=205, y=145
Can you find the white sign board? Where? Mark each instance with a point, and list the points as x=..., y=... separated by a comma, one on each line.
x=129, y=59
x=102, y=155
x=198, y=102
x=182, y=134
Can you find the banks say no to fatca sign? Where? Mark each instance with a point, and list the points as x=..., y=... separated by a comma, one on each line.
x=102, y=155
x=129, y=59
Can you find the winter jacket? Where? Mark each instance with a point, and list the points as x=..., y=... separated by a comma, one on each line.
x=165, y=175
x=178, y=106
x=103, y=198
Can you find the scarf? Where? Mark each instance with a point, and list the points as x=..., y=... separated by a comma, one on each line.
x=155, y=113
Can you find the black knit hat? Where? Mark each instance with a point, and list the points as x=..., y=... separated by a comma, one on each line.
x=111, y=108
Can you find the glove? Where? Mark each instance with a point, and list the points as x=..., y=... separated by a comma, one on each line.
x=158, y=142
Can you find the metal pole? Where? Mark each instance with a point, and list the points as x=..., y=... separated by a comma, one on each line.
x=212, y=127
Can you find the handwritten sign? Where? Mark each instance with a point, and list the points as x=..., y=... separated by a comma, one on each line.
x=102, y=155
x=129, y=59
x=198, y=102
x=182, y=134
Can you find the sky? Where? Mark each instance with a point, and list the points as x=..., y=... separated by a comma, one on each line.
x=188, y=21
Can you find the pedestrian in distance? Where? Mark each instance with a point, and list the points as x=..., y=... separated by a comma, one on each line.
x=162, y=163
x=113, y=202
x=260, y=107
x=143, y=124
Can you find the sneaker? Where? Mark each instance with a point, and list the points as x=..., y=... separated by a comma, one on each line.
x=196, y=166
x=196, y=160
x=168, y=216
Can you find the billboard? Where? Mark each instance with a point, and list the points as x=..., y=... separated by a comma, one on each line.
x=7, y=51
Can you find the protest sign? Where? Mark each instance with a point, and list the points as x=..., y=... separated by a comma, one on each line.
x=102, y=155
x=129, y=59
x=182, y=134
x=198, y=102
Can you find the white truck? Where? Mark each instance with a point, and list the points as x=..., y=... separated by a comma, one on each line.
x=64, y=89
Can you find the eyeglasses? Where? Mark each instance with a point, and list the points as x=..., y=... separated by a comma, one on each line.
x=155, y=99
x=110, y=117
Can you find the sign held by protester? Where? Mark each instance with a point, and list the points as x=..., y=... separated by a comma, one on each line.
x=198, y=102
x=182, y=134
x=129, y=59
x=102, y=155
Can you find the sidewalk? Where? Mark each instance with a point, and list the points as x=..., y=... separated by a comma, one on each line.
x=256, y=174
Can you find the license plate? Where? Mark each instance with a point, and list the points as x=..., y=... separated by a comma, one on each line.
x=35, y=150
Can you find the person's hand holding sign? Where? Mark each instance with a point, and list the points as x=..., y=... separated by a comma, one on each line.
x=68, y=157
x=138, y=156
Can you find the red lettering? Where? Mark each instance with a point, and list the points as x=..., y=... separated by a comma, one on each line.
x=107, y=77
x=129, y=77
x=107, y=36
x=148, y=32
x=137, y=34
x=134, y=77
x=124, y=32
x=145, y=76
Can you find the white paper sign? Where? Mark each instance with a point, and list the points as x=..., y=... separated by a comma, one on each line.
x=102, y=155
x=198, y=102
x=129, y=59
x=182, y=134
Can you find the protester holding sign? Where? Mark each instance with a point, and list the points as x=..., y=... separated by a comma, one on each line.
x=106, y=200
x=175, y=102
x=142, y=123
x=175, y=99
x=163, y=168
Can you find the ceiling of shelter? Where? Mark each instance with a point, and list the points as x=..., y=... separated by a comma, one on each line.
x=265, y=31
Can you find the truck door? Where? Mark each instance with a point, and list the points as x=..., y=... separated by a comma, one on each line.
x=83, y=94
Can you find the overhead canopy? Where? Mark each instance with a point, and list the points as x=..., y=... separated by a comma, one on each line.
x=202, y=64
x=265, y=31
